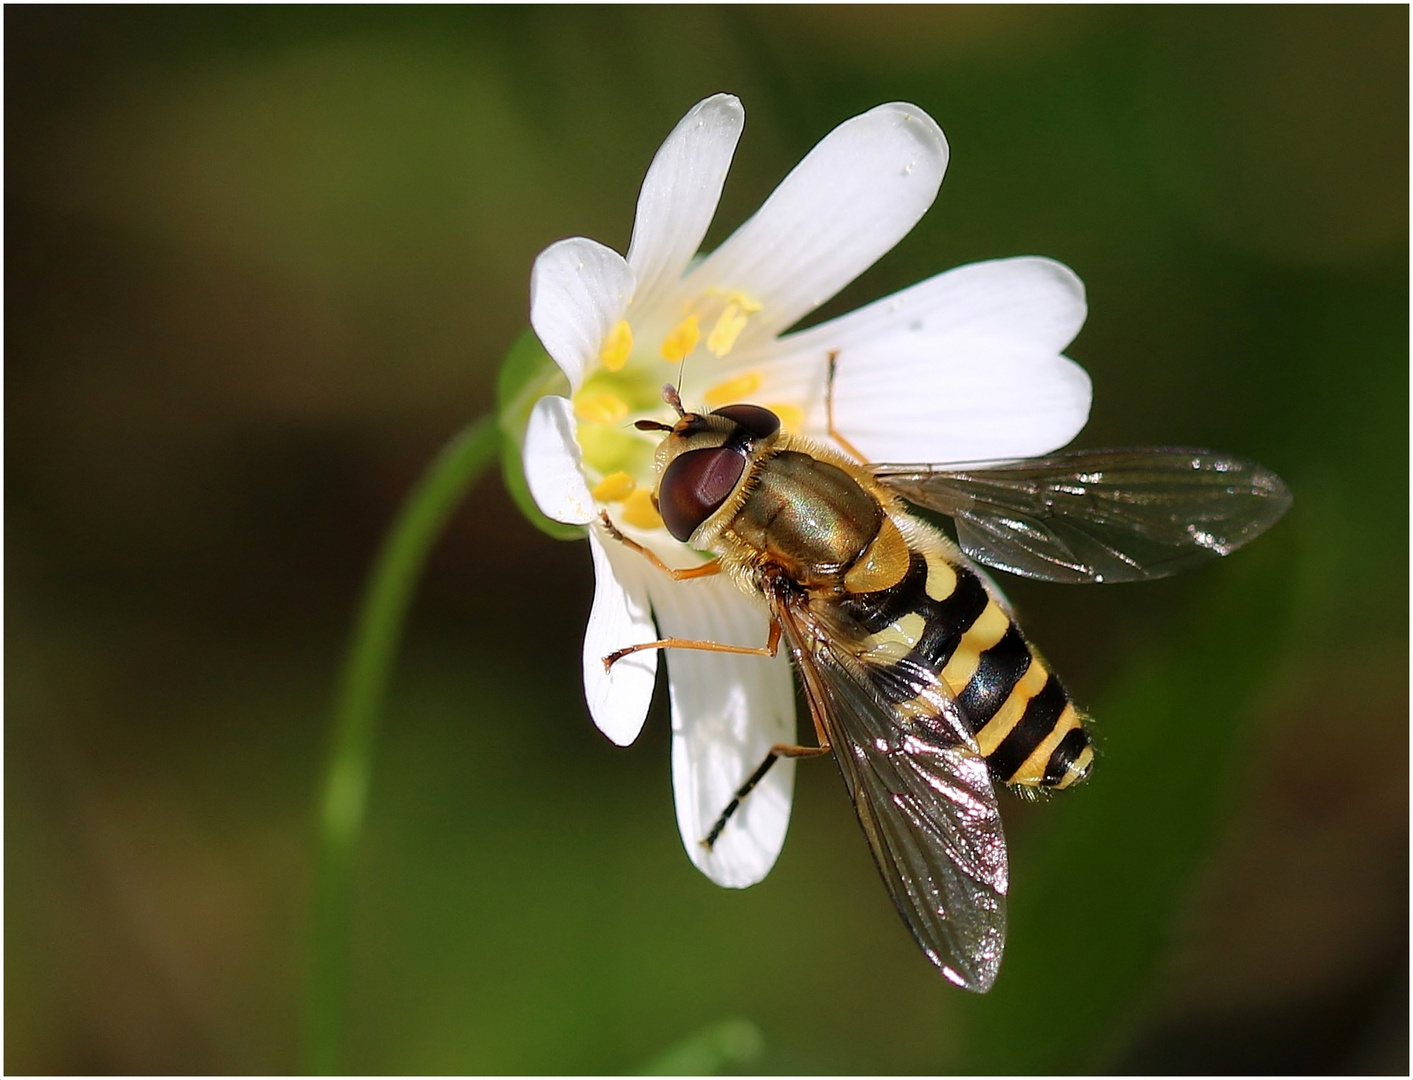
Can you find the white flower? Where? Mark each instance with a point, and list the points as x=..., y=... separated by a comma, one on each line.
x=965, y=365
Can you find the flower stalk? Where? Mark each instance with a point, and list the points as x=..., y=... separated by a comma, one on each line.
x=343, y=796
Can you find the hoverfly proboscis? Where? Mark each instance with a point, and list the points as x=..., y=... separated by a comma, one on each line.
x=916, y=675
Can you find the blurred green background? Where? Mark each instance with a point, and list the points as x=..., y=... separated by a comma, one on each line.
x=262, y=262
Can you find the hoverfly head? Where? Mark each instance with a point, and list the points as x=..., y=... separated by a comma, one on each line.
x=703, y=459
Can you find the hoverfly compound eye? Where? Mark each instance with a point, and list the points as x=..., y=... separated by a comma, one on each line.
x=695, y=485
x=759, y=422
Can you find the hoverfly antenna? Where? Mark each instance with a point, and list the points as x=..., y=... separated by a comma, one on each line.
x=651, y=425
x=673, y=398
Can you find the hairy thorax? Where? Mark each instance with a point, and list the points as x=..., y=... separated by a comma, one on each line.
x=819, y=524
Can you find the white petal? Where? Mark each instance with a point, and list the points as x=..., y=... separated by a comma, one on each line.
x=619, y=699
x=680, y=193
x=1032, y=301
x=964, y=366
x=850, y=200
x=578, y=290
x=952, y=399
x=727, y=711
x=551, y=460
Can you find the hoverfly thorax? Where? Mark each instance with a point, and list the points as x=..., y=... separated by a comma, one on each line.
x=731, y=481
x=703, y=460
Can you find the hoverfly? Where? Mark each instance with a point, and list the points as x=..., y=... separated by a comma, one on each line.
x=916, y=675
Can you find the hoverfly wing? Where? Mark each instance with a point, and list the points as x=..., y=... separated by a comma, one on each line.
x=1099, y=515
x=922, y=793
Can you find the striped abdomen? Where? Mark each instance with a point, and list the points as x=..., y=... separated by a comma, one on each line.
x=940, y=616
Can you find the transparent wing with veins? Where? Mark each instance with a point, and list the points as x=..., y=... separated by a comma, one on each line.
x=1099, y=515
x=922, y=793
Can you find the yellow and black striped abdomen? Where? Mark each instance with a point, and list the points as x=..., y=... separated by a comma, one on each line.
x=940, y=617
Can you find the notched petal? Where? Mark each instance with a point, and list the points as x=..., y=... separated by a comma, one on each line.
x=959, y=400
x=727, y=711
x=578, y=290
x=553, y=468
x=1031, y=302
x=680, y=193
x=853, y=197
x=618, y=699
x=965, y=366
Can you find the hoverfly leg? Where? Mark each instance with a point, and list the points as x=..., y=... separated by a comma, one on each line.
x=834, y=434
x=779, y=750
x=770, y=648
x=706, y=569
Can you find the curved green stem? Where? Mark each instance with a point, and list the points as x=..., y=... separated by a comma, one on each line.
x=344, y=792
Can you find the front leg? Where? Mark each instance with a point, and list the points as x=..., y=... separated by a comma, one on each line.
x=707, y=569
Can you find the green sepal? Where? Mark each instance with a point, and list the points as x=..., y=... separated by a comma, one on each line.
x=527, y=374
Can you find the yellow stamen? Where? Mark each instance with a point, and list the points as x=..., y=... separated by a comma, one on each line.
x=600, y=408
x=639, y=511
x=615, y=487
x=744, y=302
x=738, y=389
x=727, y=329
x=792, y=418
x=683, y=339
x=617, y=346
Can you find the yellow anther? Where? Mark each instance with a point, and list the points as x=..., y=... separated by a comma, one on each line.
x=682, y=340
x=727, y=329
x=615, y=487
x=744, y=301
x=639, y=511
x=738, y=389
x=792, y=418
x=617, y=346
x=600, y=408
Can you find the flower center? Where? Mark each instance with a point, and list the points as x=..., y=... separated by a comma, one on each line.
x=604, y=407
x=626, y=385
